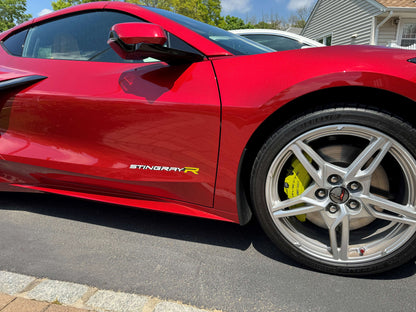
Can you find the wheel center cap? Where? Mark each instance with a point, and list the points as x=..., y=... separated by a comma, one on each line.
x=339, y=195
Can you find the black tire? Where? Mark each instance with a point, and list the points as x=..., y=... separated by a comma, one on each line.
x=353, y=212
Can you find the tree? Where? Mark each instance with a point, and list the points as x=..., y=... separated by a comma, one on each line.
x=12, y=13
x=207, y=11
x=212, y=12
x=233, y=22
x=160, y=4
x=300, y=17
x=62, y=4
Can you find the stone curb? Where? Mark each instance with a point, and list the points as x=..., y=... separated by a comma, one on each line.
x=22, y=293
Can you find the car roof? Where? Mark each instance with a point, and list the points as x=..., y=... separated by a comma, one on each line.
x=275, y=32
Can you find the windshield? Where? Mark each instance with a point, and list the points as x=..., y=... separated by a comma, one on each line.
x=235, y=44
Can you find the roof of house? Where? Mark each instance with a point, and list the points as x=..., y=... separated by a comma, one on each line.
x=398, y=3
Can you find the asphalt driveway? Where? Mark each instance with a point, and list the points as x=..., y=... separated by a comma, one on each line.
x=203, y=263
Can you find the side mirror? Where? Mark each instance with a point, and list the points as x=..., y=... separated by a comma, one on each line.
x=137, y=41
x=134, y=33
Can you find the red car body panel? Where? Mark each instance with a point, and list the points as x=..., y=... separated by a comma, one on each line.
x=101, y=128
x=162, y=137
x=261, y=92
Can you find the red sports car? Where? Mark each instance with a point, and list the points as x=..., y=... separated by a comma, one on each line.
x=142, y=107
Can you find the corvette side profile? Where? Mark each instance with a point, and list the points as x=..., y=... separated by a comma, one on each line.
x=138, y=106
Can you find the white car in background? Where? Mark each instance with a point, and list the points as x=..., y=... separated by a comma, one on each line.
x=277, y=39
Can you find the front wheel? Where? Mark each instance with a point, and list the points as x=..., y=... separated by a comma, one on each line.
x=335, y=190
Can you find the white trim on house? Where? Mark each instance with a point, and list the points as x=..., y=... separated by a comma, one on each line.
x=325, y=38
x=376, y=32
x=378, y=5
x=402, y=10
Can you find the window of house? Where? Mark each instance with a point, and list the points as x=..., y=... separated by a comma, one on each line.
x=408, y=35
x=326, y=40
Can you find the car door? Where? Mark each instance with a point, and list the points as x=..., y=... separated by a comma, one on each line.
x=95, y=123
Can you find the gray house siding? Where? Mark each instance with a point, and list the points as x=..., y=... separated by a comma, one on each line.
x=388, y=32
x=348, y=21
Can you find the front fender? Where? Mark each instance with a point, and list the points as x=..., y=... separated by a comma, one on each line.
x=249, y=98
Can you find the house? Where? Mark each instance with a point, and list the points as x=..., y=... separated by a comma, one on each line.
x=294, y=30
x=375, y=22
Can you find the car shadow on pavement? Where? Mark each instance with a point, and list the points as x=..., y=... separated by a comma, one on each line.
x=179, y=227
x=147, y=222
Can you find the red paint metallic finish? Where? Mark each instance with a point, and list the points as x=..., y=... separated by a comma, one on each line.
x=133, y=33
x=102, y=128
x=79, y=131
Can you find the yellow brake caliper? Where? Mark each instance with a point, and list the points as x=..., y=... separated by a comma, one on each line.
x=295, y=183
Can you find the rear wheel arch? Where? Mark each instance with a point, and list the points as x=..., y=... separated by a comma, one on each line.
x=359, y=97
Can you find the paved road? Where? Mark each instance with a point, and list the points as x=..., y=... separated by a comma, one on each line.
x=204, y=263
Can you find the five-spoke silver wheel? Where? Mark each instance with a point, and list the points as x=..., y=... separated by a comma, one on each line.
x=354, y=218
x=340, y=194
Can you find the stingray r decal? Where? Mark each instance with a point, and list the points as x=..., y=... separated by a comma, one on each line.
x=165, y=168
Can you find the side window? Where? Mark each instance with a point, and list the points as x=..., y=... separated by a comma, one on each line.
x=14, y=44
x=78, y=37
x=277, y=43
x=81, y=37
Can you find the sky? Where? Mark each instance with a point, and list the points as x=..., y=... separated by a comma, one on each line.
x=244, y=9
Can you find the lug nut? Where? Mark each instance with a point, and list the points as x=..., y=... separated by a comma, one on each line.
x=334, y=179
x=354, y=186
x=353, y=204
x=321, y=193
x=332, y=208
